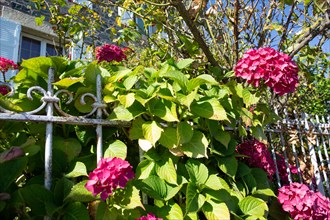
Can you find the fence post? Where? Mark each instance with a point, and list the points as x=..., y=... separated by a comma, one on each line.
x=99, y=133
x=49, y=130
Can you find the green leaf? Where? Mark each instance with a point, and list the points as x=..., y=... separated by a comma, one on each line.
x=10, y=170
x=144, y=169
x=184, y=132
x=184, y=63
x=175, y=212
x=130, y=81
x=258, y=133
x=116, y=149
x=164, y=109
x=75, y=211
x=197, y=171
x=169, y=138
x=136, y=129
x=39, y=20
x=62, y=189
x=266, y=192
x=80, y=194
x=78, y=170
x=153, y=186
x=178, y=77
x=103, y=212
x=166, y=171
x=152, y=131
x=200, y=80
x=39, y=199
x=213, y=182
x=127, y=114
x=197, y=146
x=215, y=210
x=172, y=191
x=211, y=109
x=194, y=200
x=71, y=147
x=186, y=100
x=127, y=100
x=67, y=82
x=223, y=137
x=228, y=165
x=249, y=98
x=132, y=194
x=253, y=206
x=39, y=65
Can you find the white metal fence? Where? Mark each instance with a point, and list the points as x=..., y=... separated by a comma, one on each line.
x=302, y=140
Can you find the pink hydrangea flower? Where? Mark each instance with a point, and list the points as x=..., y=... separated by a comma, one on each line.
x=110, y=174
x=265, y=65
x=7, y=64
x=258, y=156
x=150, y=216
x=302, y=203
x=109, y=52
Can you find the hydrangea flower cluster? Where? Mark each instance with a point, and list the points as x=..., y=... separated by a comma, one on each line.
x=110, y=174
x=275, y=69
x=302, y=203
x=282, y=168
x=258, y=156
x=7, y=64
x=150, y=216
x=3, y=90
x=109, y=52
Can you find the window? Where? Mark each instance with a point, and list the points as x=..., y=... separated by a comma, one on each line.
x=33, y=47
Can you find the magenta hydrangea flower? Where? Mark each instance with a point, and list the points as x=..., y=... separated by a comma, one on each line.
x=3, y=90
x=110, y=174
x=258, y=156
x=150, y=216
x=265, y=65
x=7, y=64
x=109, y=52
x=302, y=203
x=281, y=167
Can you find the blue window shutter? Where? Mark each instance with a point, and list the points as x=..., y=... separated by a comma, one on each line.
x=10, y=32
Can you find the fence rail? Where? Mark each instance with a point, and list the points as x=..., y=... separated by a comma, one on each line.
x=302, y=141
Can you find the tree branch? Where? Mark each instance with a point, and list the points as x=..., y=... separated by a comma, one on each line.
x=198, y=37
x=316, y=29
x=286, y=26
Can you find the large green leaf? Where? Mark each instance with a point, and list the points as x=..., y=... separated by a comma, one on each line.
x=39, y=65
x=39, y=199
x=71, y=146
x=166, y=110
x=178, y=77
x=127, y=100
x=200, y=80
x=67, y=82
x=197, y=171
x=228, y=165
x=75, y=211
x=169, y=138
x=166, y=171
x=223, y=137
x=116, y=149
x=184, y=63
x=78, y=170
x=80, y=194
x=249, y=98
x=10, y=170
x=103, y=212
x=194, y=200
x=215, y=210
x=144, y=169
x=153, y=186
x=152, y=131
x=172, y=211
x=197, y=146
x=211, y=109
x=136, y=130
x=62, y=189
x=184, y=132
x=186, y=100
x=253, y=206
x=127, y=114
x=213, y=182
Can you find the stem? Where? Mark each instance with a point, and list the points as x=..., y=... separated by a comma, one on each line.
x=198, y=37
x=283, y=37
